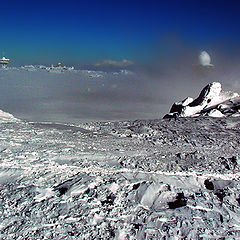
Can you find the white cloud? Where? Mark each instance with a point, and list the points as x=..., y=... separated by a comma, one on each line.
x=123, y=63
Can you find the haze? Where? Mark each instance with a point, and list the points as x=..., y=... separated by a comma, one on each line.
x=158, y=42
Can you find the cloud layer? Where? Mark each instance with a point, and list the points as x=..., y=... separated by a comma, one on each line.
x=106, y=63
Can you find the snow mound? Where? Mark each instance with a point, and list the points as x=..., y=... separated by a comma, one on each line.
x=212, y=101
x=4, y=116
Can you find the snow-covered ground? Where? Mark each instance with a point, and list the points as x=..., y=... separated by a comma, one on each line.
x=145, y=179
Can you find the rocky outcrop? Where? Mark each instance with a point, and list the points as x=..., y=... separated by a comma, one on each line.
x=212, y=101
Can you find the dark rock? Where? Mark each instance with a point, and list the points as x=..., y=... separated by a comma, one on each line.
x=109, y=200
x=220, y=193
x=171, y=115
x=62, y=190
x=136, y=186
x=208, y=184
x=180, y=201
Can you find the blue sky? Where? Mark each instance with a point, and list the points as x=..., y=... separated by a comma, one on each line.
x=86, y=32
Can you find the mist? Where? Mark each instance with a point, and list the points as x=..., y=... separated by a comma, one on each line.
x=145, y=92
x=74, y=96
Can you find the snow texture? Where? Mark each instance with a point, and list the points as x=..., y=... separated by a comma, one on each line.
x=144, y=179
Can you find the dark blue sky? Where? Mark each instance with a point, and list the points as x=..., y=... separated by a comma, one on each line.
x=85, y=32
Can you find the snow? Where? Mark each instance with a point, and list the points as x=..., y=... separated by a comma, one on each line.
x=121, y=234
x=114, y=187
x=5, y=116
x=43, y=194
x=187, y=101
x=215, y=113
x=150, y=195
x=189, y=111
x=72, y=182
x=211, y=101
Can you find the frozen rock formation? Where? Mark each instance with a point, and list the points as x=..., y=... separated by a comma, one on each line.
x=212, y=101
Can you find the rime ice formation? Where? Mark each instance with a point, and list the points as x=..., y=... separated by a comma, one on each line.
x=212, y=101
x=205, y=59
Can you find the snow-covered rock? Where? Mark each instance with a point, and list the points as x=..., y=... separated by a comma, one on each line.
x=212, y=101
x=215, y=113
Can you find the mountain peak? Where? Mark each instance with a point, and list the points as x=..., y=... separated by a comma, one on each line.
x=225, y=103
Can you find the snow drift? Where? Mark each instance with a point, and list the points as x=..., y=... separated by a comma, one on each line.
x=212, y=101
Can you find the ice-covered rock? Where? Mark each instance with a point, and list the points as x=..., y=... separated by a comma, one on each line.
x=212, y=101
